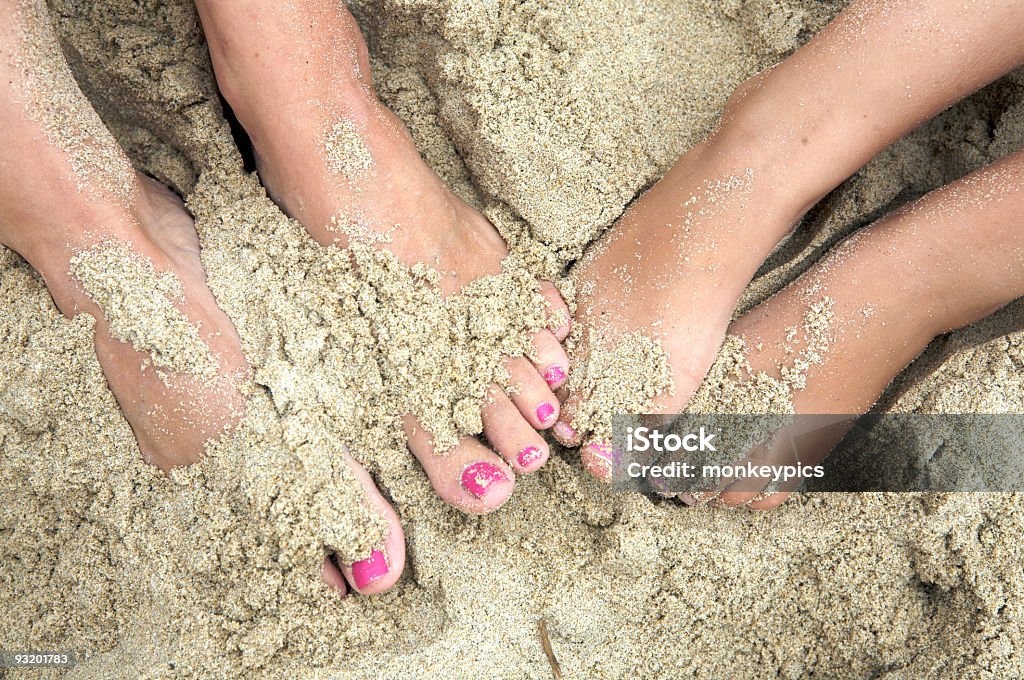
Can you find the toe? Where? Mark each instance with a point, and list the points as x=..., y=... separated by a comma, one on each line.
x=332, y=575
x=769, y=501
x=735, y=499
x=514, y=438
x=384, y=566
x=753, y=492
x=597, y=459
x=531, y=395
x=563, y=430
x=740, y=492
x=550, y=359
x=471, y=477
x=558, y=311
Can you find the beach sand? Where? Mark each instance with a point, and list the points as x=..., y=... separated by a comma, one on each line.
x=550, y=116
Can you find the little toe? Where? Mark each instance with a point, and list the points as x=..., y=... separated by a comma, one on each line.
x=470, y=477
x=514, y=438
x=531, y=395
x=550, y=359
x=332, y=576
x=384, y=566
x=558, y=312
x=563, y=430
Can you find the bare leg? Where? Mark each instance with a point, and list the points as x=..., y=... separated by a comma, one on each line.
x=56, y=147
x=946, y=261
x=297, y=76
x=677, y=262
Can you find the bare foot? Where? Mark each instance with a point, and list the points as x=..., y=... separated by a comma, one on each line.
x=946, y=261
x=673, y=269
x=333, y=157
x=68, y=191
x=677, y=262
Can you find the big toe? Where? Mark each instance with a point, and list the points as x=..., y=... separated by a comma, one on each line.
x=470, y=477
x=384, y=566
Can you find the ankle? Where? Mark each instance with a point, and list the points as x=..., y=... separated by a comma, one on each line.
x=276, y=77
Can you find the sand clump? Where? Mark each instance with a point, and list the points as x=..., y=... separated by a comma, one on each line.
x=139, y=305
x=551, y=116
x=346, y=150
x=630, y=376
x=620, y=376
x=733, y=386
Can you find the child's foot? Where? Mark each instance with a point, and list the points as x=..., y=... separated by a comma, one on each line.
x=56, y=147
x=676, y=264
x=674, y=267
x=948, y=260
x=332, y=156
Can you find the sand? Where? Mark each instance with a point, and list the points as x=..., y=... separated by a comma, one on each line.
x=346, y=151
x=139, y=305
x=550, y=116
x=616, y=375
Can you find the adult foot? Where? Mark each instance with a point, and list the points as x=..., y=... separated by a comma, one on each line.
x=111, y=223
x=336, y=159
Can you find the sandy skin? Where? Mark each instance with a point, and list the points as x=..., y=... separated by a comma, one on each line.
x=393, y=199
x=686, y=249
x=111, y=209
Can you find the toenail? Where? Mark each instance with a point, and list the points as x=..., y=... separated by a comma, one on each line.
x=545, y=412
x=478, y=478
x=529, y=456
x=603, y=451
x=564, y=432
x=554, y=376
x=369, y=570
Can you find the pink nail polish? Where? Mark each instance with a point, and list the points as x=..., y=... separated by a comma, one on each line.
x=603, y=451
x=564, y=432
x=545, y=412
x=529, y=456
x=554, y=376
x=478, y=478
x=369, y=570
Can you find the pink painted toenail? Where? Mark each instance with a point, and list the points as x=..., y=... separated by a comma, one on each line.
x=545, y=412
x=529, y=456
x=603, y=451
x=369, y=570
x=554, y=376
x=564, y=432
x=478, y=478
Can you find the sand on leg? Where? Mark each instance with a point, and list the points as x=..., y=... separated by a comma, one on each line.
x=297, y=76
x=122, y=248
x=674, y=266
x=941, y=263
